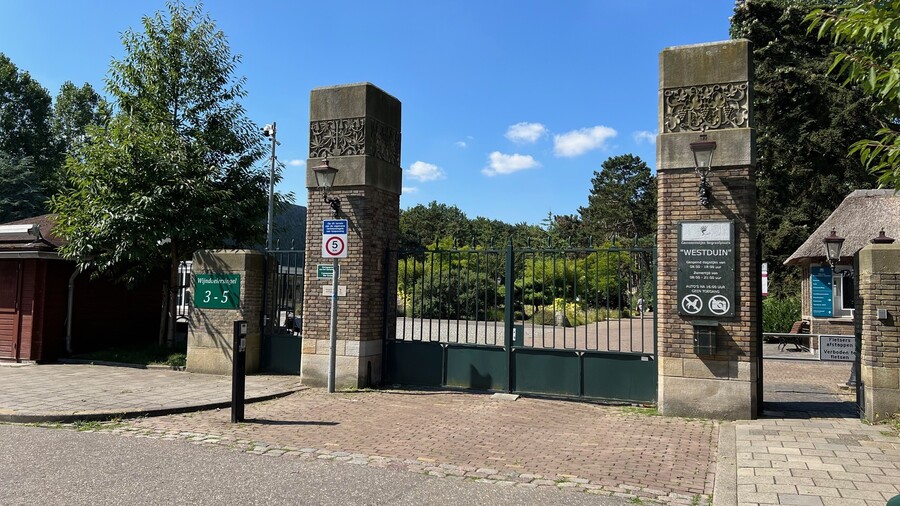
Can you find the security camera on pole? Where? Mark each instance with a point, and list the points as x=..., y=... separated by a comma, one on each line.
x=334, y=246
x=269, y=131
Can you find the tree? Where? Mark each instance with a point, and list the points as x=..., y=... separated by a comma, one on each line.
x=423, y=225
x=174, y=171
x=867, y=36
x=25, y=114
x=21, y=195
x=622, y=201
x=73, y=110
x=805, y=121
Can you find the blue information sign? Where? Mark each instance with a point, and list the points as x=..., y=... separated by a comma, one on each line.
x=822, y=303
x=334, y=227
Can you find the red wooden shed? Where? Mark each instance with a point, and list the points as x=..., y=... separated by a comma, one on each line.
x=35, y=296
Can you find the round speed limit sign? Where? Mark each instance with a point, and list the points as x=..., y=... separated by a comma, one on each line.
x=335, y=246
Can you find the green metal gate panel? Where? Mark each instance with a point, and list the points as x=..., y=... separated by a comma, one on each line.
x=413, y=363
x=547, y=372
x=565, y=322
x=281, y=353
x=615, y=376
x=477, y=368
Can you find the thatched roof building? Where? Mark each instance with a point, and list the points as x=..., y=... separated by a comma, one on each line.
x=858, y=219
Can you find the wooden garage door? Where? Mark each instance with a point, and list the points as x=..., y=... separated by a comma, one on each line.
x=9, y=311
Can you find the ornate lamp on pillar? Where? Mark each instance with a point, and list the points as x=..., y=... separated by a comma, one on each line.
x=325, y=180
x=703, y=153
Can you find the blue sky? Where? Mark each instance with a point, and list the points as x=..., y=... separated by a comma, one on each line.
x=508, y=106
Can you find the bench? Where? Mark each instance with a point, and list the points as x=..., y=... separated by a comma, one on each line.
x=799, y=327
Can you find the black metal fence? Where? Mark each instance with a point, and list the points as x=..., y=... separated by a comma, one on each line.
x=283, y=310
x=573, y=299
x=574, y=322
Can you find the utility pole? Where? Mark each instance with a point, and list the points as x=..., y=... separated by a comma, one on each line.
x=270, y=131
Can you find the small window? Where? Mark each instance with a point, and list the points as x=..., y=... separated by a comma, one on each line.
x=842, y=285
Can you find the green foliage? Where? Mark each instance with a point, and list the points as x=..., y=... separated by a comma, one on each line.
x=866, y=35
x=25, y=138
x=780, y=313
x=805, y=121
x=454, y=292
x=73, y=111
x=21, y=194
x=173, y=172
x=422, y=225
x=622, y=200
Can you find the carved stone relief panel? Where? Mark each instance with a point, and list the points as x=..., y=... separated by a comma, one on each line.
x=706, y=107
x=354, y=136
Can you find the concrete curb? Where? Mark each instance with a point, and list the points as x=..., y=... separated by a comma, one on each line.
x=725, y=488
x=134, y=413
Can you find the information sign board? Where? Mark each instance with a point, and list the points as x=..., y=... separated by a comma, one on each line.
x=326, y=271
x=334, y=239
x=822, y=301
x=217, y=291
x=706, y=268
x=837, y=348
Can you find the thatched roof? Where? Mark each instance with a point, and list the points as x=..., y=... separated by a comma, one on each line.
x=858, y=219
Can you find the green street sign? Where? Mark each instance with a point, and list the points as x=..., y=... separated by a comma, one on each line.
x=217, y=291
x=326, y=271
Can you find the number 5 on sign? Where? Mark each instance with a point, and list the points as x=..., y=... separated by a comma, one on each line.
x=334, y=239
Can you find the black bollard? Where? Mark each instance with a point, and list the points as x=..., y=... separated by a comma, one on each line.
x=238, y=370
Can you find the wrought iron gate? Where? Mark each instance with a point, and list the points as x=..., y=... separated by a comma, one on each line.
x=561, y=322
x=282, y=314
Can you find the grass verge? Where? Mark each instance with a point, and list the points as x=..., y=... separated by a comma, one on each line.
x=141, y=354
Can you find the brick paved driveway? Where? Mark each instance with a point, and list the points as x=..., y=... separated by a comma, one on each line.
x=533, y=441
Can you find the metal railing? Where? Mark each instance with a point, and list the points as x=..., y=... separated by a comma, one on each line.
x=587, y=299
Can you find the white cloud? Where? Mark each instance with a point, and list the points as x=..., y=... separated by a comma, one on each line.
x=502, y=163
x=460, y=144
x=644, y=135
x=409, y=189
x=422, y=171
x=297, y=162
x=526, y=132
x=579, y=142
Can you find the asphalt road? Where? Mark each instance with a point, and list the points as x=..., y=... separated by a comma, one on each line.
x=50, y=466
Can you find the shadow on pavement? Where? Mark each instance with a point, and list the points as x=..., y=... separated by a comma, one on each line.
x=263, y=421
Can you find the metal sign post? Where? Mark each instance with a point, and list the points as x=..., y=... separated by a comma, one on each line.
x=332, y=336
x=334, y=246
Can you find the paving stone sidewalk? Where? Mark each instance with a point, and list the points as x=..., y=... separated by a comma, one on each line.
x=817, y=461
x=65, y=392
x=527, y=442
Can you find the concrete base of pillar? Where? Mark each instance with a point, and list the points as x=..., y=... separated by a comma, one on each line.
x=352, y=371
x=726, y=399
x=217, y=360
x=881, y=387
x=881, y=403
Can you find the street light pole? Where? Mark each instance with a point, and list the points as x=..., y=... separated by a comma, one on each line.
x=270, y=131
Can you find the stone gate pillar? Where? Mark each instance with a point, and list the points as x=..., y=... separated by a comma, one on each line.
x=707, y=254
x=357, y=127
x=879, y=288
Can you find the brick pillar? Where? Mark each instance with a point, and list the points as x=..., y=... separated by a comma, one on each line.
x=357, y=127
x=879, y=288
x=210, y=331
x=707, y=87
